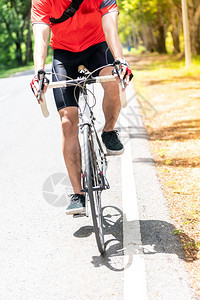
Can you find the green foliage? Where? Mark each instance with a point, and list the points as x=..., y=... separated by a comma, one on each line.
x=158, y=24
x=125, y=27
x=151, y=19
x=141, y=10
x=14, y=31
x=169, y=43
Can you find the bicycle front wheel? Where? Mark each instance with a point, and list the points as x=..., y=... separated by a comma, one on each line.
x=94, y=192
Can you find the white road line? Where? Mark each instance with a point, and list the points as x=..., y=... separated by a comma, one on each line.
x=134, y=273
x=4, y=97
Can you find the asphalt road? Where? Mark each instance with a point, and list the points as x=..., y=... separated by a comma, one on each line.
x=45, y=254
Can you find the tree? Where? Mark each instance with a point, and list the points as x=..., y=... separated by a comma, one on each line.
x=194, y=22
x=153, y=19
x=15, y=32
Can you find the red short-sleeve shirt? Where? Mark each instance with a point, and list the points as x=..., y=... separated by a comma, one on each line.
x=79, y=32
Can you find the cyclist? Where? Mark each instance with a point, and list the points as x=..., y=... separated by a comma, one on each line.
x=83, y=32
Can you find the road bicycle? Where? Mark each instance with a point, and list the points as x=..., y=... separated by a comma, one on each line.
x=94, y=160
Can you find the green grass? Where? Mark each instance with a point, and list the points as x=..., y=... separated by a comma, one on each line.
x=170, y=66
x=8, y=72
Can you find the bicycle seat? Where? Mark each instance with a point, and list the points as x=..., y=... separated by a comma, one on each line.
x=83, y=71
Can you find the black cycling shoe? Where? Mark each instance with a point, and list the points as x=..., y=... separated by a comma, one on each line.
x=112, y=142
x=77, y=204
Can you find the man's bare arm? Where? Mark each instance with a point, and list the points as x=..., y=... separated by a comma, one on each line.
x=110, y=28
x=41, y=35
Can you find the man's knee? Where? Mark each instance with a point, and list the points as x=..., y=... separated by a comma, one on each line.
x=69, y=122
x=69, y=128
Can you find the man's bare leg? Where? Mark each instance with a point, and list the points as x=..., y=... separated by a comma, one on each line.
x=71, y=147
x=111, y=101
x=111, y=109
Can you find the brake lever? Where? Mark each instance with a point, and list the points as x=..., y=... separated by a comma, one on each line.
x=118, y=69
x=41, y=74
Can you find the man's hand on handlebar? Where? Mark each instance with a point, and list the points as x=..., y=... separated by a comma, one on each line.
x=122, y=72
x=39, y=84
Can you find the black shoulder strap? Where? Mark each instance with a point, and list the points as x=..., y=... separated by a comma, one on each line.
x=69, y=12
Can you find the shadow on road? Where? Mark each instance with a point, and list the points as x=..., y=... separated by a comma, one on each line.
x=157, y=237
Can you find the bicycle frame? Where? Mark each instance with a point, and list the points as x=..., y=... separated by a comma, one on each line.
x=85, y=124
x=87, y=130
x=93, y=168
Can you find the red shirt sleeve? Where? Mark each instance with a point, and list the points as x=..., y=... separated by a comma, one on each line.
x=41, y=10
x=108, y=6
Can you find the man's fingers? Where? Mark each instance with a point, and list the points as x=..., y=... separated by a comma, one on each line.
x=36, y=87
x=123, y=72
x=35, y=90
x=45, y=87
x=127, y=79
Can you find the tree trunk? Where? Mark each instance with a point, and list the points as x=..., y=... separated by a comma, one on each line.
x=160, y=33
x=19, y=58
x=144, y=36
x=29, y=53
x=161, y=47
x=151, y=38
x=197, y=30
x=176, y=40
x=175, y=21
x=134, y=36
x=191, y=11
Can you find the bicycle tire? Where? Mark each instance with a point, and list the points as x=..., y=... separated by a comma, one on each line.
x=94, y=196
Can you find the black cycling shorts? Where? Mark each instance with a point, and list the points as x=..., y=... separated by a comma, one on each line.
x=67, y=62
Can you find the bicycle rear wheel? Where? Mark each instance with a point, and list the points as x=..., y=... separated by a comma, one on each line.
x=94, y=192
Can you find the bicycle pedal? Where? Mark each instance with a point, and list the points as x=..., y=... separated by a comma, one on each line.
x=79, y=215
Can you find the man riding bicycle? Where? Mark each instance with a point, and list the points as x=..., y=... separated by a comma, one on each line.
x=83, y=32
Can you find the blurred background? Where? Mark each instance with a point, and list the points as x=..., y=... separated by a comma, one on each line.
x=144, y=26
